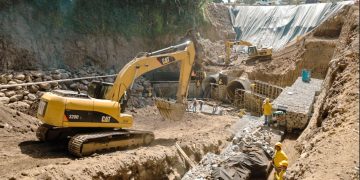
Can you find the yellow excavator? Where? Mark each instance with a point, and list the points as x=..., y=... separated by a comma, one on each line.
x=253, y=52
x=95, y=121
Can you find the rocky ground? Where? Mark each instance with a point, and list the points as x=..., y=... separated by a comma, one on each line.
x=25, y=98
x=25, y=157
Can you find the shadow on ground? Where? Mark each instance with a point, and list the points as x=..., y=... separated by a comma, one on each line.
x=43, y=150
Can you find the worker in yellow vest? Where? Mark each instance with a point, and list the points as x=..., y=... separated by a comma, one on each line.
x=282, y=170
x=267, y=111
x=278, y=159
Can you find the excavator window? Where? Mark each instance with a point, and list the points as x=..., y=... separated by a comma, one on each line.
x=252, y=50
x=98, y=89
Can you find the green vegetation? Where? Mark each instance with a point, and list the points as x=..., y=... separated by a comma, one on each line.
x=147, y=18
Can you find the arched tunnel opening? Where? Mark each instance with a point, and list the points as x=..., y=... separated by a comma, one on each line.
x=206, y=86
x=231, y=88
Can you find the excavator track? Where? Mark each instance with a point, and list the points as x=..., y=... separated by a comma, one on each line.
x=257, y=59
x=82, y=145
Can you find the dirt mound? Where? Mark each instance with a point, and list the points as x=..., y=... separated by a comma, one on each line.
x=329, y=146
x=15, y=122
x=219, y=18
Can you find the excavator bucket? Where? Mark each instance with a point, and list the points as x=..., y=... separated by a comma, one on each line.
x=170, y=110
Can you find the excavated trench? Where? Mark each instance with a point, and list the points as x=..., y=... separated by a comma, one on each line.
x=166, y=164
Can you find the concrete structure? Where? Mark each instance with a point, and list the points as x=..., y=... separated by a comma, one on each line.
x=298, y=101
x=252, y=99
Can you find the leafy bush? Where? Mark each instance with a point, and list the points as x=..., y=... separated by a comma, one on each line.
x=148, y=18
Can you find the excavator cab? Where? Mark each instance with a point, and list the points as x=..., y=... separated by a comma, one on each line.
x=97, y=89
x=252, y=51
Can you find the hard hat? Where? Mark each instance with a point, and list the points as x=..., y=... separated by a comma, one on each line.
x=284, y=163
x=278, y=144
x=267, y=100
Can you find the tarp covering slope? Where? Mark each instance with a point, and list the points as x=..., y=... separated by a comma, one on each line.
x=275, y=26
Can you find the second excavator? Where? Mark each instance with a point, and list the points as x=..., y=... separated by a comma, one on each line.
x=253, y=52
x=96, y=121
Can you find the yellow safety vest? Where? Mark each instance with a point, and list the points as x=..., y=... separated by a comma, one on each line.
x=267, y=109
x=278, y=157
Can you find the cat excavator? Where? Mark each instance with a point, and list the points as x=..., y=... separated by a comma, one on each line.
x=253, y=52
x=96, y=121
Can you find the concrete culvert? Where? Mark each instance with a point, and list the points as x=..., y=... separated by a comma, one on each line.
x=206, y=84
x=237, y=84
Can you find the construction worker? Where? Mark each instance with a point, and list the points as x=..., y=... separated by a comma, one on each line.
x=201, y=104
x=252, y=87
x=267, y=111
x=194, y=105
x=215, y=107
x=283, y=167
x=279, y=156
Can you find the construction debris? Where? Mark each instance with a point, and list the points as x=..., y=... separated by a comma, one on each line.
x=246, y=156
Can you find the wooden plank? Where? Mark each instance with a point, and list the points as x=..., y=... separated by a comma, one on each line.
x=188, y=160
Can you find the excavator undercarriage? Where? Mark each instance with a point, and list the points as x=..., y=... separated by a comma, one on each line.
x=86, y=141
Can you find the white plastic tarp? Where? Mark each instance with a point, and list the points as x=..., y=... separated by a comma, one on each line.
x=275, y=26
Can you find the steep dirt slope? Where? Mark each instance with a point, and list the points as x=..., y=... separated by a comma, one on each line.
x=329, y=146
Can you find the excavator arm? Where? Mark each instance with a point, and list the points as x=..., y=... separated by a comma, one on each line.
x=183, y=53
x=229, y=44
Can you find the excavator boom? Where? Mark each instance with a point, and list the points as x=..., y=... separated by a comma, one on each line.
x=185, y=53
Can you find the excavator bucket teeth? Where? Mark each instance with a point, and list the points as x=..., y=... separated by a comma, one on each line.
x=170, y=110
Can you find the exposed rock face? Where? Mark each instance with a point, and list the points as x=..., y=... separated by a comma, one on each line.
x=141, y=94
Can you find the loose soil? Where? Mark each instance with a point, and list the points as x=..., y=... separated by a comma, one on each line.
x=25, y=157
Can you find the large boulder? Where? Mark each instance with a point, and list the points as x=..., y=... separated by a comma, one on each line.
x=16, y=97
x=4, y=100
x=38, y=79
x=28, y=102
x=20, y=77
x=2, y=94
x=33, y=88
x=37, y=74
x=56, y=76
x=15, y=87
x=45, y=86
x=64, y=75
x=9, y=77
x=74, y=86
x=54, y=84
x=28, y=78
x=10, y=93
x=86, y=82
x=47, y=78
x=3, y=79
x=32, y=97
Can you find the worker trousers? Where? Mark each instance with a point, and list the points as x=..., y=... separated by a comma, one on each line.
x=268, y=119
